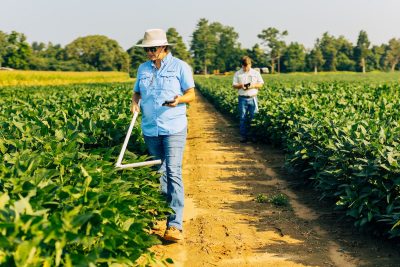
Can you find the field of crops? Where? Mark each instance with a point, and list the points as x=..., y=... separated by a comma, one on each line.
x=18, y=77
x=62, y=202
x=340, y=130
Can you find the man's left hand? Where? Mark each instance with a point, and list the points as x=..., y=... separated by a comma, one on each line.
x=175, y=103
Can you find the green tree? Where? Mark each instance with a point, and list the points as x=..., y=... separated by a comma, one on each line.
x=329, y=51
x=137, y=56
x=272, y=38
x=227, y=50
x=293, y=58
x=315, y=59
x=98, y=51
x=52, y=57
x=38, y=47
x=376, y=59
x=393, y=53
x=361, y=50
x=344, y=56
x=179, y=48
x=17, y=51
x=203, y=46
x=54, y=51
x=3, y=46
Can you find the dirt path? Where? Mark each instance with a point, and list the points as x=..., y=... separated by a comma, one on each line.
x=225, y=226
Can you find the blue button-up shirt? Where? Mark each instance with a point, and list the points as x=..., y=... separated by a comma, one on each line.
x=159, y=85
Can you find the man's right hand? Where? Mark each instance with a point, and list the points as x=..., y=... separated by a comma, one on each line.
x=134, y=107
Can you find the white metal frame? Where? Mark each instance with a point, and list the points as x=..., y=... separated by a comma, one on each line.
x=119, y=164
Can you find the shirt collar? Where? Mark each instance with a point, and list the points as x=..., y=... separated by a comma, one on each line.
x=246, y=72
x=164, y=61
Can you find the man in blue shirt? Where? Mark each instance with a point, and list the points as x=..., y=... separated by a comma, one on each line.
x=164, y=85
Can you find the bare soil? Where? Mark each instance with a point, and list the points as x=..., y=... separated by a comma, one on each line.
x=225, y=226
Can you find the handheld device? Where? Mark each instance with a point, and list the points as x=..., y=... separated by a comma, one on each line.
x=166, y=103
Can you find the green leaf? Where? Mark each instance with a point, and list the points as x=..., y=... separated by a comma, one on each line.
x=19, y=125
x=4, y=198
x=370, y=216
x=59, y=135
x=3, y=148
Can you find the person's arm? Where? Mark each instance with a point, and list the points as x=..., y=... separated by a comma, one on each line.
x=236, y=84
x=187, y=97
x=135, y=102
x=135, y=96
x=259, y=83
x=256, y=85
x=187, y=86
x=239, y=86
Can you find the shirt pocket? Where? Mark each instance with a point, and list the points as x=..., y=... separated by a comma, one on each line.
x=170, y=81
x=253, y=79
x=170, y=85
x=145, y=80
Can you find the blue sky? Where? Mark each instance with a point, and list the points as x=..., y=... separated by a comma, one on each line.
x=126, y=20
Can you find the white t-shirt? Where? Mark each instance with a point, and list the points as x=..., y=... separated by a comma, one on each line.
x=252, y=76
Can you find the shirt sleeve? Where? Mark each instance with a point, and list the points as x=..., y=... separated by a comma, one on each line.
x=136, y=87
x=186, y=80
x=235, y=79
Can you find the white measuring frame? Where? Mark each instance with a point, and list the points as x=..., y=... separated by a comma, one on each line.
x=119, y=164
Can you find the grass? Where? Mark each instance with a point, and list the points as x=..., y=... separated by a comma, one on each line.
x=277, y=199
x=17, y=77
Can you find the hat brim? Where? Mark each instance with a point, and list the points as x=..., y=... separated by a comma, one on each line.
x=153, y=45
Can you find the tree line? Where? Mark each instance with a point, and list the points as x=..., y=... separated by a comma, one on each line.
x=213, y=48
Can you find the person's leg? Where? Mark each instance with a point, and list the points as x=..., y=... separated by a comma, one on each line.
x=174, y=146
x=242, y=116
x=252, y=109
x=155, y=146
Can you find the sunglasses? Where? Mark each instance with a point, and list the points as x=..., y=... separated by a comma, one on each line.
x=151, y=49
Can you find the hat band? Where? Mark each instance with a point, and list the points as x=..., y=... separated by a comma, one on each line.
x=155, y=42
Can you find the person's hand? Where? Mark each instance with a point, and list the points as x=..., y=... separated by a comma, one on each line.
x=134, y=107
x=175, y=103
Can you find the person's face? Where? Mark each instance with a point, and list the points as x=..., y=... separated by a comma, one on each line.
x=246, y=68
x=154, y=51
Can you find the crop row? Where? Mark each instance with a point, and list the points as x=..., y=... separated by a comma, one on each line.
x=62, y=202
x=343, y=135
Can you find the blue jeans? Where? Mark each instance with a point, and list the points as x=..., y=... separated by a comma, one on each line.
x=247, y=109
x=169, y=148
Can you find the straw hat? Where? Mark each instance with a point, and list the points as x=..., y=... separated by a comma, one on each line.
x=154, y=37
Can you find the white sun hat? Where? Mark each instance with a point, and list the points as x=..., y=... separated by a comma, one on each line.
x=154, y=37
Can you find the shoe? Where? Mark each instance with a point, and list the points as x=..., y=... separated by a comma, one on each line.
x=173, y=234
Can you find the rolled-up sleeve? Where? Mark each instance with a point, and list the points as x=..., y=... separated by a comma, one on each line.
x=235, y=79
x=136, y=88
x=186, y=78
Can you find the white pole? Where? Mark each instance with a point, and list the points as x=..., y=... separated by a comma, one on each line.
x=139, y=164
x=121, y=154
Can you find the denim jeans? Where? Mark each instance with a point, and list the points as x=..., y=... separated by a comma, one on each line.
x=247, y=109
x=169, y=148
